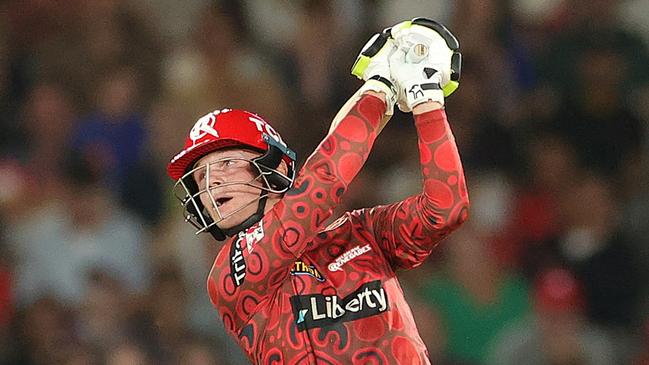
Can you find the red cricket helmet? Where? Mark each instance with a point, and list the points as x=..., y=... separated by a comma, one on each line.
x=225, y=128
x=230, y=128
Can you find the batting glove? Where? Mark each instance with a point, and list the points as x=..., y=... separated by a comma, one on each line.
x=373, y=66
x=426, y=65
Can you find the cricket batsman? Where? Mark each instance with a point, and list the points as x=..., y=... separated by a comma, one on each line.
x=289, y=288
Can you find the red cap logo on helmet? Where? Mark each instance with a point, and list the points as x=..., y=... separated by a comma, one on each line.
x=224, y=128
x=205, y=125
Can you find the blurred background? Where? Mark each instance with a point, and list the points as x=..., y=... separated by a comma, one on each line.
x=551, y=119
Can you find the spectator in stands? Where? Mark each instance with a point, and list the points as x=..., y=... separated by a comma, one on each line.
x=557, y=333
x=65, y=236
x=474, y=298
x=591, y=245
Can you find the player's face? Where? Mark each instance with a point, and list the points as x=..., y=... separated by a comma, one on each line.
x=230, y=185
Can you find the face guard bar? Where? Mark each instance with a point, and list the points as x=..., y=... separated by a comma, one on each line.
x=267, y=180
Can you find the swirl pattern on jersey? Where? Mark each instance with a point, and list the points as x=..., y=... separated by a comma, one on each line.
x=303, y=293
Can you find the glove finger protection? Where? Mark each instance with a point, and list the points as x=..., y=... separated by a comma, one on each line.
x=372, y=65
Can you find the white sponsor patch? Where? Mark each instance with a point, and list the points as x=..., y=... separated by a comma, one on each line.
x=348, y=256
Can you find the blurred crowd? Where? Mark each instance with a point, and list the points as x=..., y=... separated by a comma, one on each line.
x=551, y=119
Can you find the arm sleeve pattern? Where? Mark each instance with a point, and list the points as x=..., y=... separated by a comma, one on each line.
x=409, y=230
x=249, y=268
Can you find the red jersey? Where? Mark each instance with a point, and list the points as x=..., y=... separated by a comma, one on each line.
x=293, y=291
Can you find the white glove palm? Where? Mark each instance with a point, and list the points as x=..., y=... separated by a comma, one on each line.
x=426, y=65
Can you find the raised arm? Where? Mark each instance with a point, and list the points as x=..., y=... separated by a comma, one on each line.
x=426, y=69
x=409, y=230
x=337, y=160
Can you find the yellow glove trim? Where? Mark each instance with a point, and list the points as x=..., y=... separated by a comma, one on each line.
x=360, y=66
x=402, y=25
x=449, y=88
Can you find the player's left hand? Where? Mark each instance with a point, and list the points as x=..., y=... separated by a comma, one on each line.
x=372, y=65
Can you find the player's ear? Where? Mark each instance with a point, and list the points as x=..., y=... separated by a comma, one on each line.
x=282, y=168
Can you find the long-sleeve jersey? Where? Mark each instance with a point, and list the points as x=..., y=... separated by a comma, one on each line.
x=294, y=291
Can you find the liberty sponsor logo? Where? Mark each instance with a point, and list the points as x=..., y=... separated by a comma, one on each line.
x=301, y=268
x=317, y=310
x=237, y=262
x=348, y=256
x=253, y=235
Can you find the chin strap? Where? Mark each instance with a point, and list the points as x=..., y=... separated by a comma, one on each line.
x=221, y=234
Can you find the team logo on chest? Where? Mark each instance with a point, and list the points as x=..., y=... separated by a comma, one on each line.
x=302, y=268
x=253, y=235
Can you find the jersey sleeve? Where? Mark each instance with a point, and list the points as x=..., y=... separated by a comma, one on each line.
x=250, y=267
x=409, y=230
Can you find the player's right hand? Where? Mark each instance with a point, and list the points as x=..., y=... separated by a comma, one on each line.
x=426, y=65
x=372, y=65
